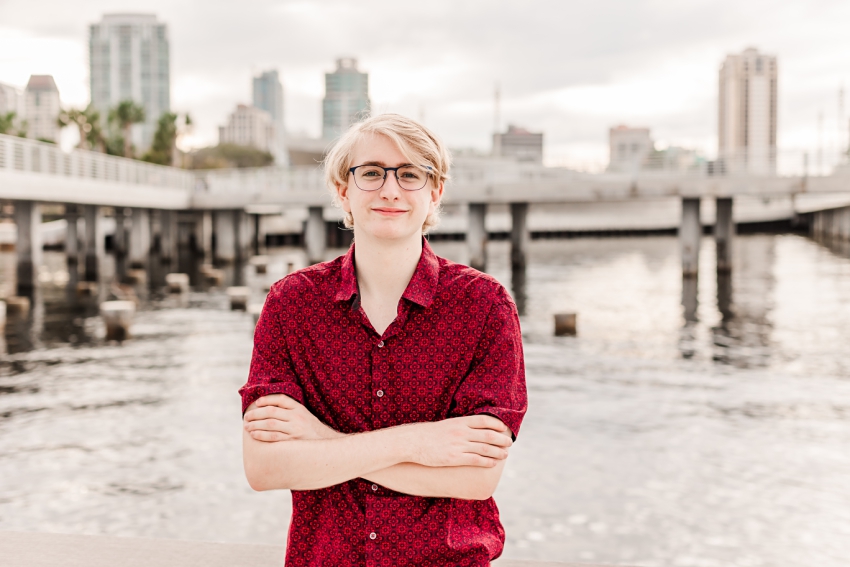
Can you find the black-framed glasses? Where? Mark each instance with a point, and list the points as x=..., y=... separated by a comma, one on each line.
x=373, y=177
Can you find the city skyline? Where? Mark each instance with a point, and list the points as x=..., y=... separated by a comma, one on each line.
x=651, y=66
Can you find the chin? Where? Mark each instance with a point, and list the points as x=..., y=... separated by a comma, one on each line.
x=392, y=231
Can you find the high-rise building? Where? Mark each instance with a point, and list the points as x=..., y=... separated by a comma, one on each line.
x=629, y=149
x=346, y=98
x=41, y=108
x=520, y=144
x=268, y=96
x=11, y=100
x=249, y=126
x=747, y=113
x=129, y=60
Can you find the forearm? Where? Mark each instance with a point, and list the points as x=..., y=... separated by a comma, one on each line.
x=313, y=464
x=465, y=483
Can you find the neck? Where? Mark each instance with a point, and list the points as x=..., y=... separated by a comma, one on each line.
x=384, y=267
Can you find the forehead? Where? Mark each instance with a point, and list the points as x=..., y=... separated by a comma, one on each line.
x=377, y=148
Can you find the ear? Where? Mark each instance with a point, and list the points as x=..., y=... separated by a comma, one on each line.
x=437, y=195
x=342, y=192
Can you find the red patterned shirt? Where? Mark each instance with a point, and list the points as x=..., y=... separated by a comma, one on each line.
x=453, y=350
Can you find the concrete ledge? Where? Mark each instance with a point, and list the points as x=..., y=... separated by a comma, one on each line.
x=32, y=549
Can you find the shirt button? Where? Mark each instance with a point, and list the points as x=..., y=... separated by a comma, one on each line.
x=381, y=344
x=375, y=487
x=380, y=393
x=373, y=535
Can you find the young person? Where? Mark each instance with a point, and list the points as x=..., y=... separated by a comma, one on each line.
x=386, y=386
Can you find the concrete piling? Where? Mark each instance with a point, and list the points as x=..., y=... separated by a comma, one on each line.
x=238, y=297
x=315, y=235
x=86, y=289
x=724, y=232
x=177, y=283
x=93, y=247
x=117, y=316
x=137, y=277
x=690, y=234
x=290, y=267
x=565, y=324
x=214, y=277
x=119, y=243
x=476, y=236
x=520, y=235
x=2, y=315
x=72, y=247
x=139, y=246
x=28, y=248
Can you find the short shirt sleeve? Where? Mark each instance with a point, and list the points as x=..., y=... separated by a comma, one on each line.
x=495, y=383
x=271, y=369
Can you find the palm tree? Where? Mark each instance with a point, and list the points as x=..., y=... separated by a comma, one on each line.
x=125, y=115
x=78, y=118
x=164, y=147
x=8, y=125
x=95, y=135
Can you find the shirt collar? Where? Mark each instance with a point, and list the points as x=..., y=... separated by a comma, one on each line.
x=420, y=290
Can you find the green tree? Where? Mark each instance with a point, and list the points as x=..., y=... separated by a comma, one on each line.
x=78, y=118
x=124, y=116
x=164, y=147
x=11, y=126
x=229, y=155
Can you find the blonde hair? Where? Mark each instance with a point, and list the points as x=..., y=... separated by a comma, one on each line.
x=416, y=142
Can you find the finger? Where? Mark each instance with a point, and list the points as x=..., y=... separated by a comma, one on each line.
x=269, y=425
x=486, y=450
x=268, y=412
x=269, y=436
x=279, y=400
x=486, y=422
x=473, y=460
x=491, y=438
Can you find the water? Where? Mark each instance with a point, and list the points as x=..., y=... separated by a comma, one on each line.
x=664, y=434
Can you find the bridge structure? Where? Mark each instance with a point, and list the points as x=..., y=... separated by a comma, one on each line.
x=164, y=208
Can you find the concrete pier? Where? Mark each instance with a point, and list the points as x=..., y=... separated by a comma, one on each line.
x=72, y=246
x=92, y=245
x=168, y=240
x=476, y=236
x=690, y=234
x=226, y=231
x=724, y=233
x=520, y=235
x=204, y=236
x=28, y=246
x=117, y=316
x=315, y=235
x=119, y=243
x=831, y=224
x=139, y=247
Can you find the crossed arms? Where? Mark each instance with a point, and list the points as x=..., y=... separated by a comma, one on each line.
x=287, y=447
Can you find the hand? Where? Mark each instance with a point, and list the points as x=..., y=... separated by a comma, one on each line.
x=477, y=440
x=280, y=418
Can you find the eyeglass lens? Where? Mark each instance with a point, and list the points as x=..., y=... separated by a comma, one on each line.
x=372, y=177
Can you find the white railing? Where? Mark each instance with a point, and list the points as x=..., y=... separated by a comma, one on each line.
x=29, y=156
x=260, y=180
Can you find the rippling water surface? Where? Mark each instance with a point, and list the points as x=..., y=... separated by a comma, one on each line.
x=686, y=427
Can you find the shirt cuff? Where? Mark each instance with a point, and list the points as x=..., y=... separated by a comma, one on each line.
x=511, y=418
x=252, y=392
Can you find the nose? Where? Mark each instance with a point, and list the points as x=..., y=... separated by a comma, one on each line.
x=391, y=189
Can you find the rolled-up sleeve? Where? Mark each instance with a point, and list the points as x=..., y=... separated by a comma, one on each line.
x=495, y=383
x=271, y=369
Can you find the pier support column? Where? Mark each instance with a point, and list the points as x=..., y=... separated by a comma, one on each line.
x=28, y=246
x=690, y=233
x=203, y=236
x=140, y=239
x=72, y=245
x=93, y=246
x=520, y=236
x=476, y=236
x=225, y=230
x=315, y=235
x=119, y=243
x=724, y=233
x=168, y=240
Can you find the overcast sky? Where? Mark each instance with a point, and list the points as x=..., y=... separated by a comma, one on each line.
x=568, y=69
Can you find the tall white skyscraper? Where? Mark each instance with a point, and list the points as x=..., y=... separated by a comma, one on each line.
x=129, y=60
x=747, y=113
x=41, y=104
x=346, y=98
x=268, y=96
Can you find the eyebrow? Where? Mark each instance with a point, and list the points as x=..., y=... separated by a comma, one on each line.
x=382, y=164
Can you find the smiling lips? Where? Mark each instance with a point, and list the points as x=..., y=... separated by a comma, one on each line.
x=389, y=211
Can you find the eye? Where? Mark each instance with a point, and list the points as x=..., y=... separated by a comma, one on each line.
x=411, y=174
x=370, y=172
